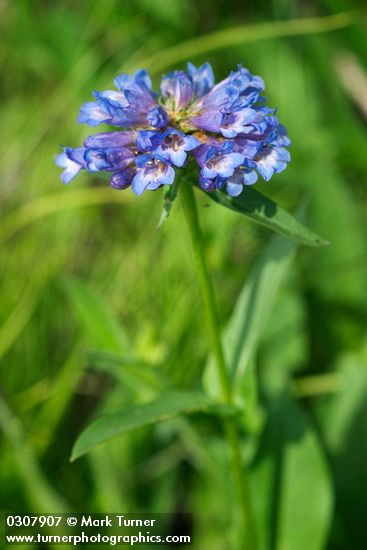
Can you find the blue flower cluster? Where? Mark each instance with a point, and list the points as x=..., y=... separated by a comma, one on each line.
x=226, y=128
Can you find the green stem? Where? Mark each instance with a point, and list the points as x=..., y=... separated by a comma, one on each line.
x=206, y=286
x=247, y=539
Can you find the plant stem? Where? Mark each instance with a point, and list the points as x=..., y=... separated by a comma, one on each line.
x=208, y=296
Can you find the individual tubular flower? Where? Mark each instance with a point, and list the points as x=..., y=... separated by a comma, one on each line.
x=174, y=145
x=152, y=173
x=219, y=160
x=226, y=130
x=177, y=90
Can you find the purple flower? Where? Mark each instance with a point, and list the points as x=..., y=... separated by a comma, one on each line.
x=207, y=184
x=108, y=159
x=110, y=139
x=226, y=128
x=72, y=161
x=237, y=122
x=220, y=161
x=123, y=179
x=202, y=78
x=126, y=108
x=158, y=117
x=152, y=173
x=239, y=178
x=174, y=145
x=240, y=88
x=177, y=90
x=270, y=160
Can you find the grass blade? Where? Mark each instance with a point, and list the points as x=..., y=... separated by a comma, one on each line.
x=98, y=322
x=243, y=34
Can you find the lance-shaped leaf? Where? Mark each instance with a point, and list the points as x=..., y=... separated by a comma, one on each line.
x=291, y=482
x=251, y=313
x=260, y=209
x=168, y=406
x=169, y=198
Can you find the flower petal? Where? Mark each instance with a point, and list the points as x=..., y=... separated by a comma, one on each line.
x=235, y=123
x=202, y=78
x=72, y=161
x=174, y=144
x=111, y=158
x=221, y=164
x=140, y=182
x=152, y=175
x=177, y=89
x=207, y=184
x=110, y=139
x=272, y=160
x=122, y=180
x=234, y=189
x=147, y=140
x=92, y=114
x=158, y=117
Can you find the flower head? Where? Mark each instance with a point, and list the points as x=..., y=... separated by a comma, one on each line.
x=226, y=129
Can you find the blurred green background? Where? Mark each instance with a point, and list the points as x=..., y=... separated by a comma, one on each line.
x=98, y=308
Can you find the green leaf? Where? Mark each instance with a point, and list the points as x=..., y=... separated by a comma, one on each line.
x=169, y=198
x=99, y=324
x=135, y=373
x=40, y=494
x=337, y=415
x=260, y=209
x=342, y=418
x=284, y=342
x=169, y=405
x=291, y=482
x=251, y=313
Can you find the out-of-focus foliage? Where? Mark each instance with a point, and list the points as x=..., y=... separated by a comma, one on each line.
x=100, y=310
